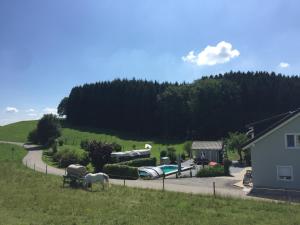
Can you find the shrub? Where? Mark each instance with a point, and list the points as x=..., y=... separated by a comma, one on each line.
x=183, y=156
x=171, y=153
x=215, y=171
x=54, y=146
x=227, y=164
x=65, y=157
x=140, y=162
x=163, y=153
x=60, y=142
x=90, y=168
x=84, y=144
x=121, y=171
x=116, y=147
x=99, y=153
x=32, y=137
x=48, y=128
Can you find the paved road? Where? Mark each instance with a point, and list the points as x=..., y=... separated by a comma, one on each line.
x=224, y=185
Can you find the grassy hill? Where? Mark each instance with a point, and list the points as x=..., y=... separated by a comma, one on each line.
x=29, y=197
x=17, y=131
x=72, y=136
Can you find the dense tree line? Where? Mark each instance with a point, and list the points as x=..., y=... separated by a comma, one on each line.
x=208, y=108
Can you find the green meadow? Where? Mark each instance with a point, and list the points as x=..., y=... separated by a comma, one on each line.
x=29, y=197
x=72, y=136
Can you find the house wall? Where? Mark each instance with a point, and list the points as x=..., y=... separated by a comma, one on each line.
x=270, y=152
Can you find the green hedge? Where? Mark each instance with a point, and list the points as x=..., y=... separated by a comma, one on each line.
x=66, y=156
x=121, y=171
x=216, y=171
x=140, y=162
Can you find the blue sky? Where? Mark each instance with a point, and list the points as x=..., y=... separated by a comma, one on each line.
x=47, y=47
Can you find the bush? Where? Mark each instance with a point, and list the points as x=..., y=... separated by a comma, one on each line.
x=171, y=153
x=84, y=144
x=32, y=137
x=227, y=164
x=60, y=142
x=54, y=146
x=211, y=172
x=140, y=162
x=163, y=153
x=183, y=156
x=48, y=128
x=116, y=147
x=65, y=157
x=99, y=153
x=121, y=171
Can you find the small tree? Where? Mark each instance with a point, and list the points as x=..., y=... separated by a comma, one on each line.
x=171, y=153
x=99, y=154
x=188, y=148
x=163, y=153
x=48, y=128
x=235, y=142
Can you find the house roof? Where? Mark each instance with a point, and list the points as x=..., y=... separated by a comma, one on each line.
x=290, y=116
x=207, y=145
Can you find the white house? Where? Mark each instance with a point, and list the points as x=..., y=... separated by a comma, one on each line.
x=275, y=154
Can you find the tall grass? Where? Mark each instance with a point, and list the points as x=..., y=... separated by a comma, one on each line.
x=28, y=197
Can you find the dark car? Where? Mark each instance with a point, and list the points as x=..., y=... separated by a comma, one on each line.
x=200, y=161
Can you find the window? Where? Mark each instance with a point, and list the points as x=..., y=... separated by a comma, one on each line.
x=292, y=140
x=285, y=173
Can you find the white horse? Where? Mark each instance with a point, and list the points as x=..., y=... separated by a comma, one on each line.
x=91, y=178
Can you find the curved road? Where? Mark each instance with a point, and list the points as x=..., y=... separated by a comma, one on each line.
x=224, y=186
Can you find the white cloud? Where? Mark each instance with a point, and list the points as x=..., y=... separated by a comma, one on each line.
x=212, y=55
x=284, y=65
x=11, y=109
x=32, y=114
x=50, y=110
x=30, y=110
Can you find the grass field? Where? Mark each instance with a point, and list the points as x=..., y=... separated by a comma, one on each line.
x=29, y=197
x=73, y=135
x=17, y=131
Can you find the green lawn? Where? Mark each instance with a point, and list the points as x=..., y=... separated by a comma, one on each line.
x=29, y=197
x=72, y=137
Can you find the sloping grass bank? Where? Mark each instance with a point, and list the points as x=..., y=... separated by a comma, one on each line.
x=17, y=132
x=29, y=197
x=72, y=136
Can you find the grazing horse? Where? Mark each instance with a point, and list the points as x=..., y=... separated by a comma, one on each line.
x=91, y=178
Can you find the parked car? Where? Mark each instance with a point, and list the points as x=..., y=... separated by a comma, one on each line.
x=200, y=161
x=213, y=164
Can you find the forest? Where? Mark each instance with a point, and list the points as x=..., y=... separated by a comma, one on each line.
x=207, y=108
